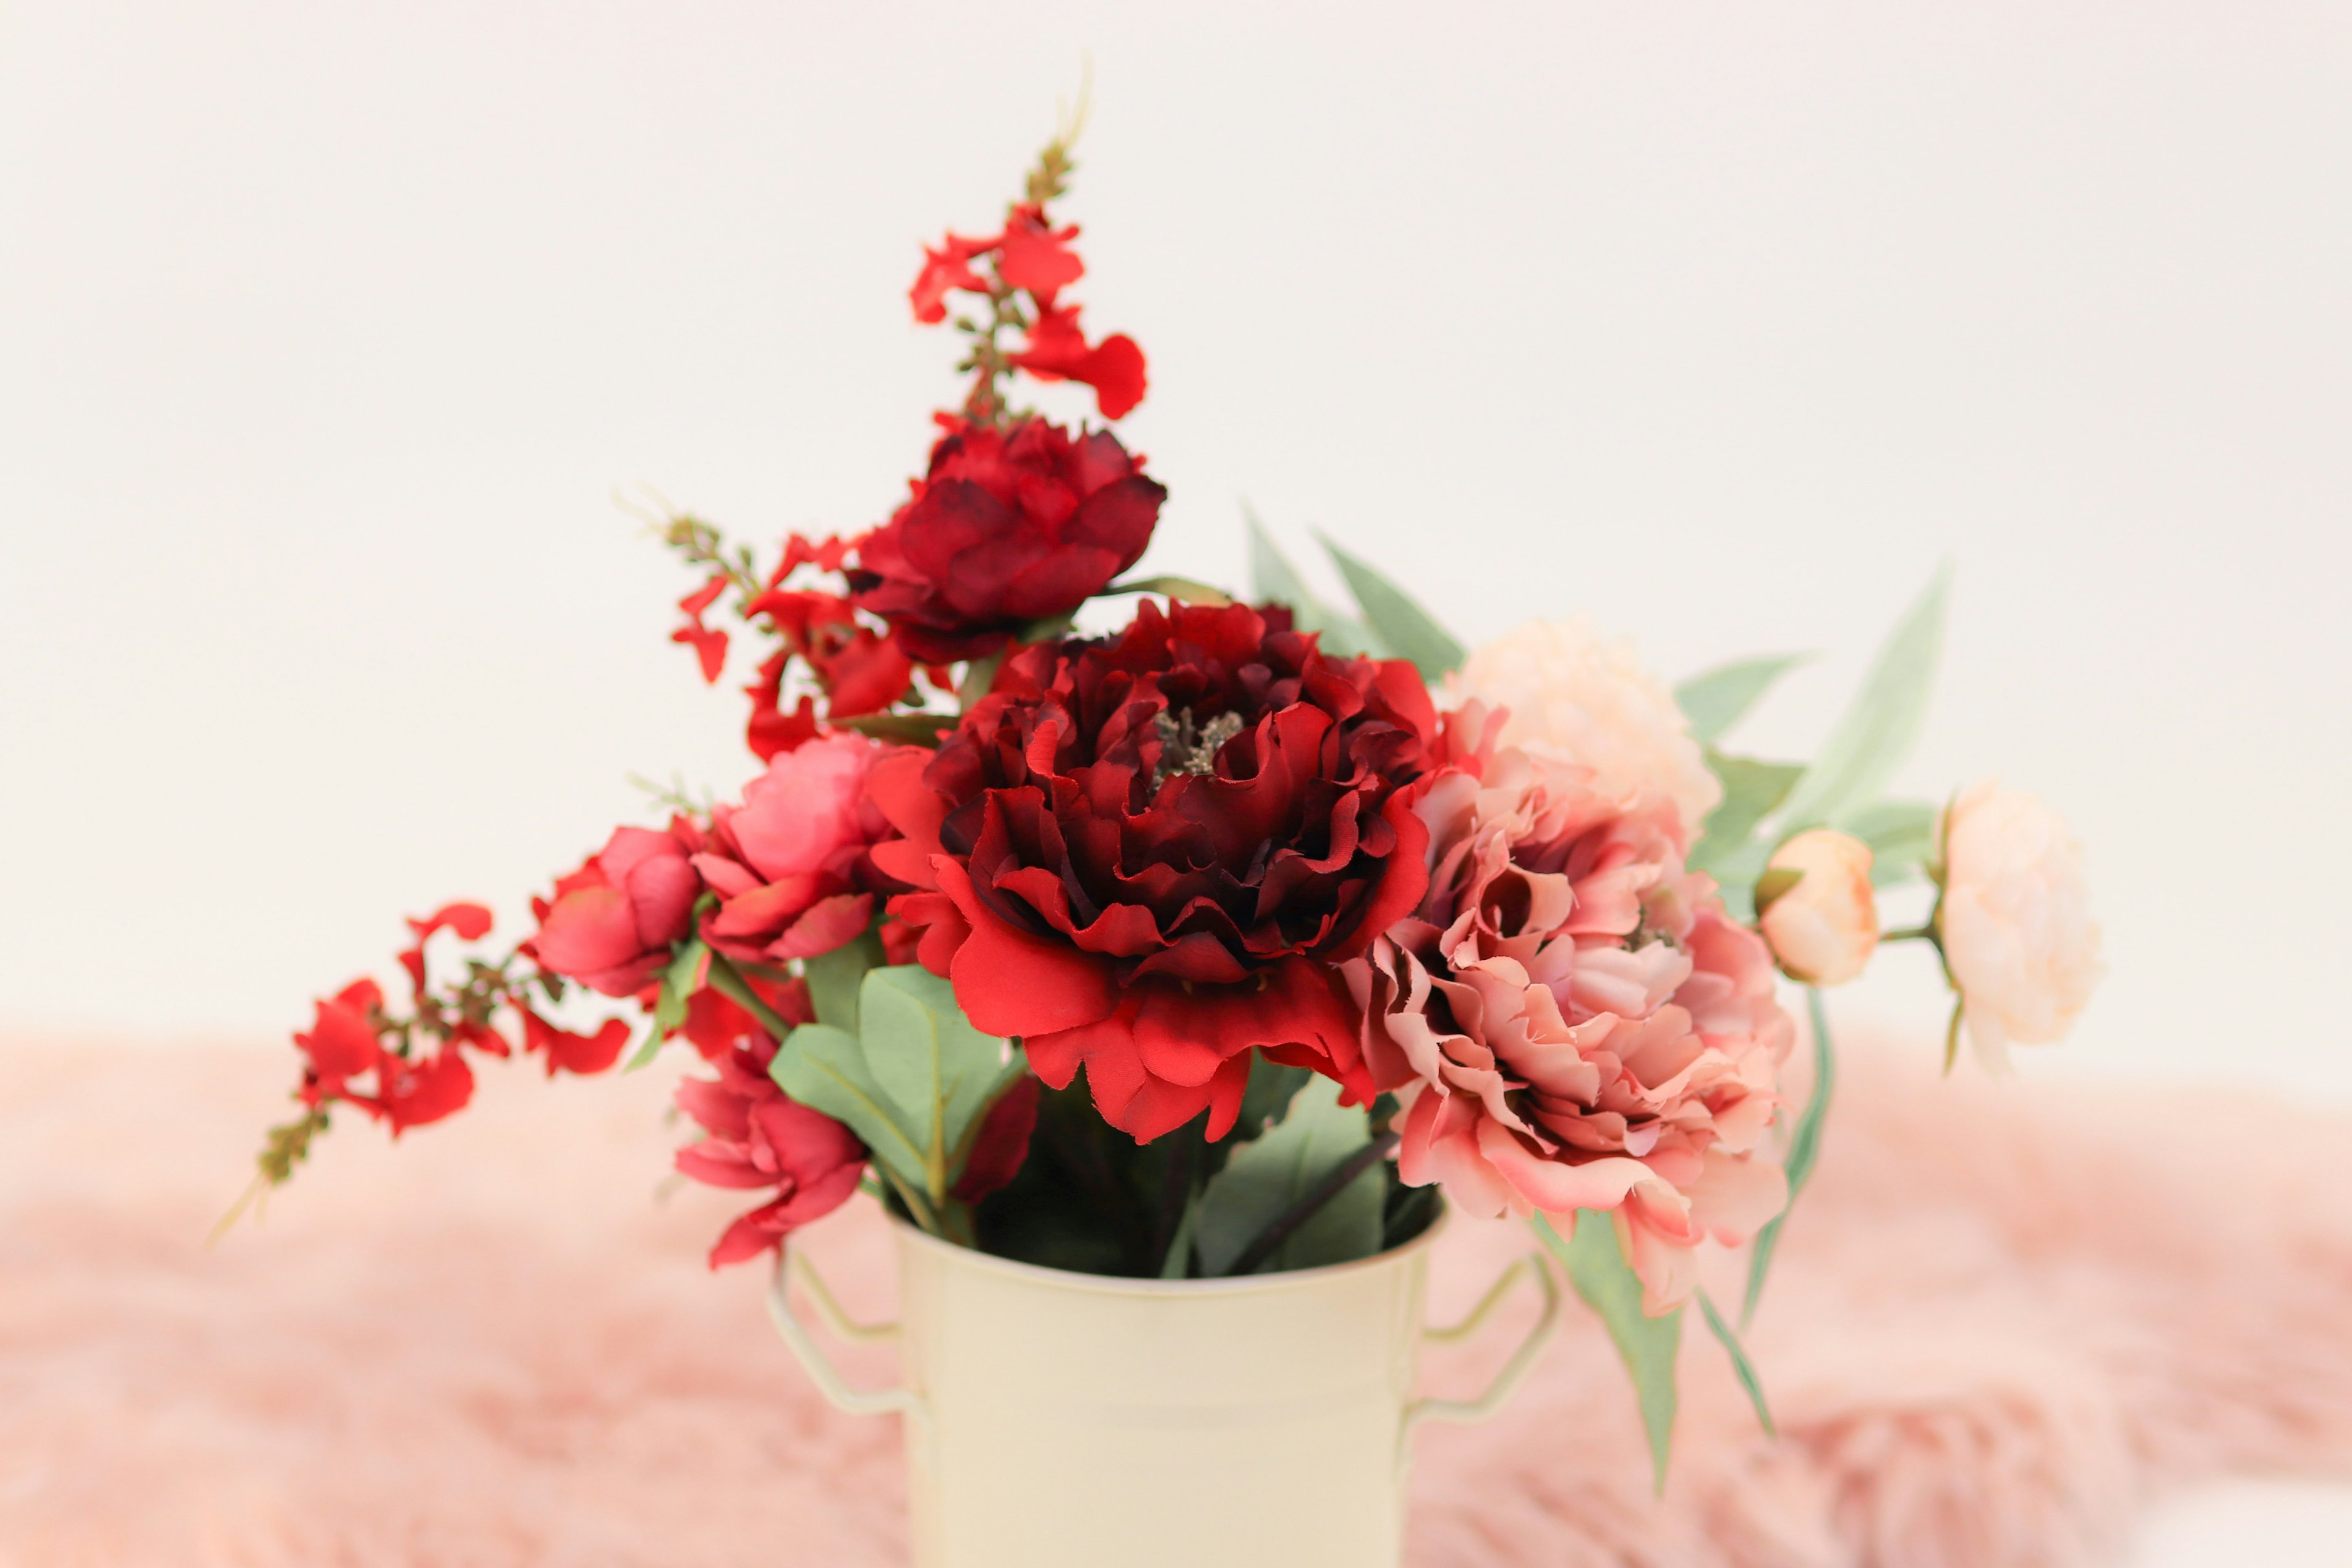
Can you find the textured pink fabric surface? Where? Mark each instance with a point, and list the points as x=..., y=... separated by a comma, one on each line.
x=2005, y=1318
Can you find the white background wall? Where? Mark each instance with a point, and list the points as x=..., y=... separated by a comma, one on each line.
x=326, y=333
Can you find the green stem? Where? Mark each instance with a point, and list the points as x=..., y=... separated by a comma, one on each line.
x=736, y=989
x=1913, y=934
x=1269, y=1240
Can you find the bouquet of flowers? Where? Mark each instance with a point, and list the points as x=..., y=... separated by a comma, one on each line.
x=1224, y=941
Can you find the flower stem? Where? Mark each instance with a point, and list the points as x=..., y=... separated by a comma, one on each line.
x=1913, y=934
x=1286, y=1222
x=728, y=982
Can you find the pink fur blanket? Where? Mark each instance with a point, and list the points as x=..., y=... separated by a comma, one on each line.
x=2003, y=1319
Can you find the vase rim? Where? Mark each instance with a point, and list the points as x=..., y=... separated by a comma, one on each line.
x=912, y=1234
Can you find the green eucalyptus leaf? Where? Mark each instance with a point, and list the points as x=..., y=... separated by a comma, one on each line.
x=1740, y=1365
x=834, y=979
x=1901, y=835
x=1274, y=579
x=1804, y=1148
x=1717, y=699
x=939, y=1072
x=825, y=1068
x=1410, y=631
x=1271, y=1087
x=1265, y=1177
x=1751, y=790
x=1596, y=1268
x=1883, y=721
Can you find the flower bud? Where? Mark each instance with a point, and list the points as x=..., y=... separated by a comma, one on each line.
x=2015, y=920
x=1824, y=925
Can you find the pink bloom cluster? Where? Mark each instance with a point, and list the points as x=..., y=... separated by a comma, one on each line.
x=1571, y=1020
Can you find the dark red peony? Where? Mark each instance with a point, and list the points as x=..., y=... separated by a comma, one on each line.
x=1009, y=527
x=1144, y=854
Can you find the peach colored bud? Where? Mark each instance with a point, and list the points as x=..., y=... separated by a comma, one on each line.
x=1824, y=927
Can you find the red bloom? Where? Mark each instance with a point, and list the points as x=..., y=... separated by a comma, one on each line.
x=1145, y=854
x=613, y=922
x=471, y=921
x=1009, y=527
x=949, y=267
x=575, y=1053
x=1033, y=254
x=412, y=1093
x=341, y=1044
x=1057, y=350
x=760, y=1136
x=709, y=644
x=790, y=864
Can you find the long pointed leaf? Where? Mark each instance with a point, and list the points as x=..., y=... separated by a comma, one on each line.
x=1596, y=1268
x=1740, y=1365
x=1266, y=1176
x=1715, y=699
x=1883, y=721
x=1901, y=835
x=1751, y=789
x=1410, y=631
x=1804, y=1148
x=1272, y=577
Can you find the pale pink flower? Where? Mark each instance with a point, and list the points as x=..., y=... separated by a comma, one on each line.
x=1823, y=929
x=2016, y=920
x=790, y=864
x=1573, y=1023
x=1574, y=694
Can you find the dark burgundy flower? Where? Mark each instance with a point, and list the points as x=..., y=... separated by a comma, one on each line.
x=1009, y=527
x=1145, y=854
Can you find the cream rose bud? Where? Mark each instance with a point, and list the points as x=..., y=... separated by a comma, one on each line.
x=1824, y=927
x=2016, y=920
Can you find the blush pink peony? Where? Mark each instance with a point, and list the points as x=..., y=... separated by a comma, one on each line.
x=790, y=865
x=1572, y=693
x=1572, y=1021
x=2015, y=920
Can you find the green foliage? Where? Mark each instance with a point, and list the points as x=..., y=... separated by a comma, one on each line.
x=1410, y=631
x=1804, y=1148
x=1271, y=1088
x=1183, y=588
x=1596, y=1268
x=677, y=984
x=1717, y=699
x=912, y=1081
x=1751, y=790
x=1740, y=1365
x=1263, y=1178
x=1883, y=723
x=1901, y=835
x=1273, y=578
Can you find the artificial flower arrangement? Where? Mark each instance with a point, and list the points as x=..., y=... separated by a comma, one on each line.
x=1223, y=942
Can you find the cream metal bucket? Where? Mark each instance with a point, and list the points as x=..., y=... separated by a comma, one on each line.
x=1060, y=1420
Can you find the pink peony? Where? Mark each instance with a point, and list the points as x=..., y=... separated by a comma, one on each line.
x=1824, y=928
x=790, y=864
x=1573, y=694
x=1573, y=1023
x=2015, y=920
x=611, y=922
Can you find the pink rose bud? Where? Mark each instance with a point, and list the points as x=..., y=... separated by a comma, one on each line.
x=1824, y=926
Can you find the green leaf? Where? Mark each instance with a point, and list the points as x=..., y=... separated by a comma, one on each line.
x=939, y=1072
x=1178, y=1263
x=1717, y=699
x=1901, y=835
x=1740, y=1365
x=1410, y=631
x=825, y=1068
x=1751, y=790
x=834, y=979
x=1804, y=1148
x=678, y=985
x=1273, y=578
x=1775, y=881
x=1883, y=723
x=1271, y=1087
x=1184, y=588
x=1596, y=1268
x=1265, y=1177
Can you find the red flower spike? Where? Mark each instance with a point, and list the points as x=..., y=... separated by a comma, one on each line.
x=471, y=921
x=1035, y=256
x=414, y=1093
x=341, y=1042
x=1057, y=350
x=947, y=267
x=579, y=1054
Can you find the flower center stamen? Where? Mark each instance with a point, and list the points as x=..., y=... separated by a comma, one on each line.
x=1188, y=748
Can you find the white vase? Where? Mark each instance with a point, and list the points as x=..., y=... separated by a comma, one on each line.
x=1060, y=1420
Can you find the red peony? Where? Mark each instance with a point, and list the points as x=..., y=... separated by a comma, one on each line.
x=760, y=1136
x=790, y=864
x=1009, y=527
x=1145, y=853
x=612, y=923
